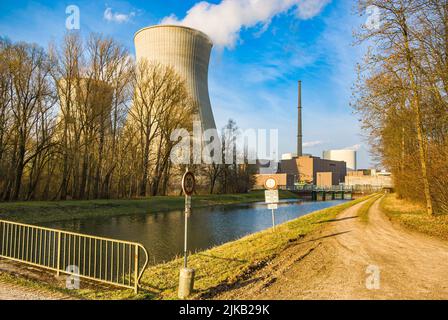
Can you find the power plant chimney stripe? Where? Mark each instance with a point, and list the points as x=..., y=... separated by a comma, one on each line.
x=299, y=122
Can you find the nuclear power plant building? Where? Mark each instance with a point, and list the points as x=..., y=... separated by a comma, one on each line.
x=348, y=156
x=187, y=51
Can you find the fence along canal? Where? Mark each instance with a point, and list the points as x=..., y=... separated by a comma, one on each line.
x=105, y=260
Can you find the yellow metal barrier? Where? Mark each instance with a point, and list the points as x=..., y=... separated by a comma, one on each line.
x=105, y=260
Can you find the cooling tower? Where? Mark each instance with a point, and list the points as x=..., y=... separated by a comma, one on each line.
x=90, y=101
x=187, y=51
x=349, y=156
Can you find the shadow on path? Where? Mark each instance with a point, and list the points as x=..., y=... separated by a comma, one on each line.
x=220, y=258
x=327, y=236
x=336, y=220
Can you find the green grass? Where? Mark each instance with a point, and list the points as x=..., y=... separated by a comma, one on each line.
x=363, y=212
x=414, y=217
x=51, y=211
x=220, y=266
x=225, y=264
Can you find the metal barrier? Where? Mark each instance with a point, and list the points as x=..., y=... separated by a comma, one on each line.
x=105, y=260
x=310, y=188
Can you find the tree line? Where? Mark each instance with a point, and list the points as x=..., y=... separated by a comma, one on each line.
x=401, y=96
x=83, y=120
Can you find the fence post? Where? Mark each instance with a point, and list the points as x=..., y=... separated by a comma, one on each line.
x=59, y=254
x=136, y=269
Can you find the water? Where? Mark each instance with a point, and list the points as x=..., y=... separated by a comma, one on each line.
x=162, y=232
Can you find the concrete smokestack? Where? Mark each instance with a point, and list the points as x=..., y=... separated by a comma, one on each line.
x=299, y=122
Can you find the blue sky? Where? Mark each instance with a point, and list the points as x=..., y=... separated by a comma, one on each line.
x=253, y=76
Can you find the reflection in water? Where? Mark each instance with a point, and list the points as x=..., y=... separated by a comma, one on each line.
x=162, y=232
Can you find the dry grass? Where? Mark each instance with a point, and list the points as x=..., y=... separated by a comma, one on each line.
x=363, y=212
x=224, y=265
x=414, y=217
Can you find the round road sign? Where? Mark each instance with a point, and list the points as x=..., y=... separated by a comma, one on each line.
x=270, y=184
x=188, y=183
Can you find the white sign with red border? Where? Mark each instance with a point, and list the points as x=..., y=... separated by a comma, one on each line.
x=270, y=184
x=188, y=183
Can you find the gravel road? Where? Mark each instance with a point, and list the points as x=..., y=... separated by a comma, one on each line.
x=10, y=291
x=348, y=259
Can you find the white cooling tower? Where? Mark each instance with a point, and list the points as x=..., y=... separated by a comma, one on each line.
x=349, y=156
x=188, y=52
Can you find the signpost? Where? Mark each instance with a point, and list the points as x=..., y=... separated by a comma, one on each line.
x=186, y=278
x=271, y=197
x=188, y=183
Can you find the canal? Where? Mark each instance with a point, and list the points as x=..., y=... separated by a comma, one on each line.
x=162, y=232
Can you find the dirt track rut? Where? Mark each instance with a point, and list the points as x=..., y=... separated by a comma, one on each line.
x=342, y=259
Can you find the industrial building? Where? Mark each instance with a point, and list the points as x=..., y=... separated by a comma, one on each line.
x=348, y=156
x=308, y=169
x=365, y=180
x=284, y=181
x=298, y=168
x=187, y=51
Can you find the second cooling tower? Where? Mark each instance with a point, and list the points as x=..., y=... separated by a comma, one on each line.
x=349, y=156
x=188, y=52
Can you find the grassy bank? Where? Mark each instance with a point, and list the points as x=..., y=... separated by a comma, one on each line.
x=50, y=211
x=414, y=217
x=226, y=264
x=363, y=212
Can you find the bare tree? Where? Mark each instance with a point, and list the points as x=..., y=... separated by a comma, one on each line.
x=160, y=105
x=402, y=92
x=27, y=66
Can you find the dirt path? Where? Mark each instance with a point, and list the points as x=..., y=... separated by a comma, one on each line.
x=13, y=290
x=342, y=259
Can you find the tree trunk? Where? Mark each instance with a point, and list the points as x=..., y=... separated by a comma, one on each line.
x=416, y=106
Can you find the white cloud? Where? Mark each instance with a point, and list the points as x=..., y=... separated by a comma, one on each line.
x=117, y=17
x=311, y=144
x=224, y=21
x=309, y=9
x=355, y=147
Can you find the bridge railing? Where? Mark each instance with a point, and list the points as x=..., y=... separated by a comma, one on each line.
x=318, y=188
x=109, y=261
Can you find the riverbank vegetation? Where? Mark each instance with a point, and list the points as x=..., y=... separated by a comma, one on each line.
x=83, y=120
x=401, y=95
x=218, y=267
x=413, y=215
x=225, y=265
x=50, y=211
